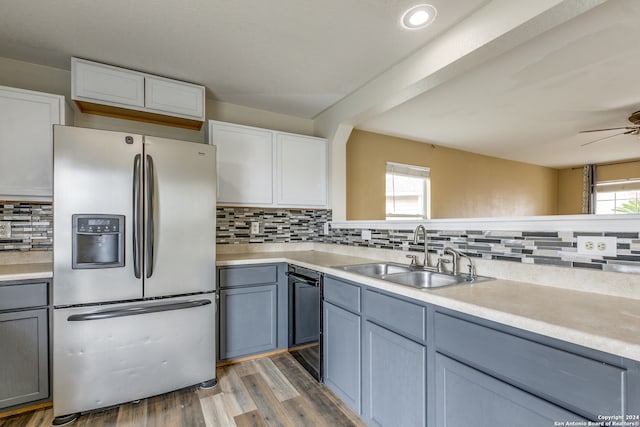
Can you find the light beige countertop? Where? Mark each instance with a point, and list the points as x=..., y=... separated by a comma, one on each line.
x=607, y=323
x=41, y=270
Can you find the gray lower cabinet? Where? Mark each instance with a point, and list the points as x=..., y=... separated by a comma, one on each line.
x=252, y=310
x=477, y=372
x=248, y=320
x=394, y=379
x=467, y=397
x=24, y=357
x=583, y=382
x=341, y=333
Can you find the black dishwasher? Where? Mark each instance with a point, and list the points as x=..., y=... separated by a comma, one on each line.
x=305, y=318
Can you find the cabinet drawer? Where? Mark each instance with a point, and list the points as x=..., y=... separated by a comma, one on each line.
x=580, y=384
x=253, y=275
x=23, y=295
x=402, y=316
x=342, y=294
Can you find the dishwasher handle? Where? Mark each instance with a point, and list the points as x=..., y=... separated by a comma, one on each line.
x=138, y=309
x=301, y=278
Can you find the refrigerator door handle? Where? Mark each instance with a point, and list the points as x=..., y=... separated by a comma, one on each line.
x=138, y=309
x=150, y=238
x=136, y=216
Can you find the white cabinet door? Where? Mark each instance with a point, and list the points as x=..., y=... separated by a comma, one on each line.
x=302, y=170
x=245, y=164
x=26, y=135
x=104, y=84
x=173, y=97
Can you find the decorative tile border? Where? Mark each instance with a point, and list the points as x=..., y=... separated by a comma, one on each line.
x=528, y=247
x=31, y=226
x=31, y=230
x=233, y=225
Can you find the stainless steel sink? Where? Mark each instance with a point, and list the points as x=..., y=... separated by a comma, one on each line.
x=408, y=276
x=429, y=279
x=375, y=269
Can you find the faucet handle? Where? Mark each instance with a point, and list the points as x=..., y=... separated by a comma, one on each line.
x=441, y=261
x=472, y=271
x=414, y=259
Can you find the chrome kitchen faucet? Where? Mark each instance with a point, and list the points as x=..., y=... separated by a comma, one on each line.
x=426, y=263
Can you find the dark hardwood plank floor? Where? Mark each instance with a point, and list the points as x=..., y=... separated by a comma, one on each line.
x=272, y=391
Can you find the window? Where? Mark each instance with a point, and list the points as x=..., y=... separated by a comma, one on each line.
x=407, y=192
x=618, y=197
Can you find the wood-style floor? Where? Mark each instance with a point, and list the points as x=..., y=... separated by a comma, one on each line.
x=272, y=391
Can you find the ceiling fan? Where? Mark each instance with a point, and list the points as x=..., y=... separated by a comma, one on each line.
x=626, y=130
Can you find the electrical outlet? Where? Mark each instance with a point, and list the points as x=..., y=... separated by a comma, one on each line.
x=255, y=227
x=597, y=245
x=366, y=235
x=5, y=229
x=325, y=228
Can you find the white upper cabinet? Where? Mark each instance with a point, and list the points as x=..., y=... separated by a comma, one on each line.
x=110, y=85
x=26, y=141
x=302, y=170
x=118, y=92
x=169, y=96
x=260, y=167
x=245, y=164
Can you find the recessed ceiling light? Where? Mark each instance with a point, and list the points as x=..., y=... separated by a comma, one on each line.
x=418, y=16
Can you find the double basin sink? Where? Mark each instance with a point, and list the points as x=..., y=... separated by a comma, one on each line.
x=410, y=276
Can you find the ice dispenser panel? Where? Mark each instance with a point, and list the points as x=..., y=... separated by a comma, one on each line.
x=98, y=241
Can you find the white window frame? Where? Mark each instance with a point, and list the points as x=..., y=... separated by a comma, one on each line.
x=413, y=171
x=615, y=187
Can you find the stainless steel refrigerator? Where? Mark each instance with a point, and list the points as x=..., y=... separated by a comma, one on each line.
x=134, y=267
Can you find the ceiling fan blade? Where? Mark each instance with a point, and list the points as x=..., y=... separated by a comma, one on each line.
x=600, y=130
x=628, y=132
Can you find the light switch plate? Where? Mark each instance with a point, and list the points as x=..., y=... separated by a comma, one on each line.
x=5, y=229
x=597, y=245
x=366, y=235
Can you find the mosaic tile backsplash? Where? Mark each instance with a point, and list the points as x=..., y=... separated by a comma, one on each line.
x=275, y=225
x=552, y=248
x=31, y=230
x=31, y=226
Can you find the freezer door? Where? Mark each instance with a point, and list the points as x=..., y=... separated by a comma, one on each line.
x=93, y=174
x=180, y=225
x=111, y=354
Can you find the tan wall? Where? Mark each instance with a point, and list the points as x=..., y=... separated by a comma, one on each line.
x=570, y=191
x=463, y=184
x=25, y=75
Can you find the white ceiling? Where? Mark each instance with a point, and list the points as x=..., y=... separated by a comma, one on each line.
x=331, y=60
x=296, y=57
x=529, y=103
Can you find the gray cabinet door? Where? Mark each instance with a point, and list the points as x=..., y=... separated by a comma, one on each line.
x=467, y=397
x=24, y=357
x=394, y=379
x=248, y=320
x=341, y=334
